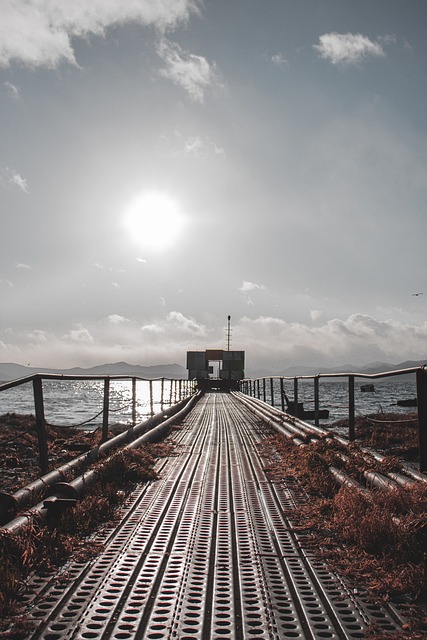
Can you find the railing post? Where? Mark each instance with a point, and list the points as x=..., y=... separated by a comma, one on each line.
x=282, y=394
x=133, y=402
x=422, y=416
x=296, y=397
x=162, y=388
x=104, y=436
x=351, y=430
x=170, y=392
x=272, y=391
x=180, y=396
x=258, y=392
x=40, y=424
x=151, y=399
x=264, y=395
x=316, y=401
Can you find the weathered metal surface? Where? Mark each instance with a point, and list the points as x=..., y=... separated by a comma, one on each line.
x=207, y=551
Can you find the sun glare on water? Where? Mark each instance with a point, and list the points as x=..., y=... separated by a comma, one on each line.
x=154, y=220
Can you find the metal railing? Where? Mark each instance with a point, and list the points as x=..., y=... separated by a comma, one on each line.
x=257, y=387
x=177, y=390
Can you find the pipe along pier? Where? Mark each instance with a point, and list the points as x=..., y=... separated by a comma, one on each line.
x=207, y=551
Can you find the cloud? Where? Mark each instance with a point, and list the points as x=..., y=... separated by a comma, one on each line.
x=6, y=283
x=279, y=60
x=191, y=72
x=22, y=265
x=201, y=147
x=348, y=48
x=40, y=32
x=358, y=339
x=12, y=90
x=316, y=314
x=185, y=324
x=10, y=179
x=152, y=328
x=271, y=344
x=80, y=335
x=247, y=287
x=116, y=319
x=38, y=336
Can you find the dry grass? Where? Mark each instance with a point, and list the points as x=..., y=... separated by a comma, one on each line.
x=19, y=458
x=384, y=533
x=43, y=549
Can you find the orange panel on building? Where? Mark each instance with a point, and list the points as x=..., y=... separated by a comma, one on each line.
x=214, y=354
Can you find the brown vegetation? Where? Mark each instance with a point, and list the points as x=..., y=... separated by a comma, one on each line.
x=384, y=532
x=44, y=548
x=19, y=458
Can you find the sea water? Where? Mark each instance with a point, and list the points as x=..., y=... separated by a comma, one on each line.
x=79, y=403
x=334, y=396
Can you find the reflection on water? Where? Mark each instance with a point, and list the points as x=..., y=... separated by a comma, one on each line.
x=80, y=402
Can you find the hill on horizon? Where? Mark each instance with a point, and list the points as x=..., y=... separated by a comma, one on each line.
x=370, y=368
x=13, y=371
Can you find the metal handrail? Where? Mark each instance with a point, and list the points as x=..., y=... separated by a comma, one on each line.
x=251, y=386
x=180, y=389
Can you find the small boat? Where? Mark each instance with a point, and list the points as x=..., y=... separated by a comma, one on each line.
x=300, y=412
x=408, y=402
x=367, y=387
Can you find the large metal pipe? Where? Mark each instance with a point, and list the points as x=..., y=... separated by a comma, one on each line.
x=345, y=480
x=283, y=416
x=12, y=503
x=379, y=481
x=390, y=480
x=289, y=430
x=76, y=489
x=266, y=412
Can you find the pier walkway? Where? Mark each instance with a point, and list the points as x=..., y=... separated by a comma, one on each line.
x=208, y=551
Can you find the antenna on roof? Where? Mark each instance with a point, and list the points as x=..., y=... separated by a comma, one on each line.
x=228, y=333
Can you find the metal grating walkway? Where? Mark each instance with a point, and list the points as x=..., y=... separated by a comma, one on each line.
x=206, y=552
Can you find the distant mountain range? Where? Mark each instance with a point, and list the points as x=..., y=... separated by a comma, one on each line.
x=12, y=371
x=373, y=367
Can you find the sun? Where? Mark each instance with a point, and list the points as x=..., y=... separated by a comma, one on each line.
x=154, y=220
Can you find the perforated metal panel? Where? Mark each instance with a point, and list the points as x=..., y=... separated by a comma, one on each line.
x=207, y=551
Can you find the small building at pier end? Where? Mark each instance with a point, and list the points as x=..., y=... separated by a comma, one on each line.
x=216, y=369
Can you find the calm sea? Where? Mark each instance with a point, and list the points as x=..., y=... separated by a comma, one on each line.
x=80, y=403
x=334, y=396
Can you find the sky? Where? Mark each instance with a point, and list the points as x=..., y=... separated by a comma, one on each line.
x=167, y=163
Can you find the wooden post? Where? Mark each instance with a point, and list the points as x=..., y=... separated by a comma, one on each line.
x=422, y=416
x=133, y=402
x=40, y=424
x=316, y=401
x=351, y=430
x=104, y=436
x=282, y=394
